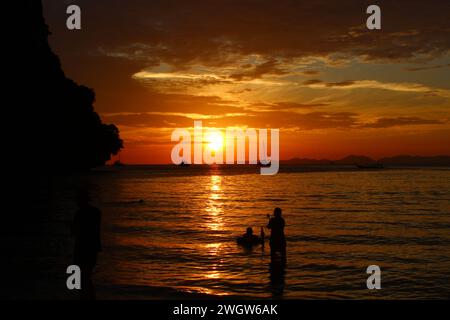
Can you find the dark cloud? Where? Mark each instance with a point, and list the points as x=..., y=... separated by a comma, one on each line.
x=340, y=83
x=286, y=119
x=400, y=121
x=144, y=120
x=181, y=85
x=268, y=67
x=214, y=32
x=151, y=101
x=312, y=82
x=273, y=119
x=345, y=83
x=121, y=38
x=240, y=91
x=292, y=105
x=433, y=67
x=310, y=72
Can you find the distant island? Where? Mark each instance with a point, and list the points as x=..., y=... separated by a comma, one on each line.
x=401, y=160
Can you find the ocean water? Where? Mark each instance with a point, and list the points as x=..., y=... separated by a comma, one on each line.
x=170, y=232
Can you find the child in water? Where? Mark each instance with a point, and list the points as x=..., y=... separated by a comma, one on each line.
x=249, y=239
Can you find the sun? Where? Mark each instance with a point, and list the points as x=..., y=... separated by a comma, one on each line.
x=214, y=141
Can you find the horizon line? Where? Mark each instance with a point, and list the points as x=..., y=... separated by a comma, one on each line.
x=111, y=162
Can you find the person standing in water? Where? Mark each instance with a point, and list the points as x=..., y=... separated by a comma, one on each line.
x=86, y=229
x=277, y=238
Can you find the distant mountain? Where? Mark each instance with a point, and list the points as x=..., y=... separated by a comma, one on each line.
x=434, y=161
x=307, y=162
x=403, y=160
x=349, y=160
x=352, y=160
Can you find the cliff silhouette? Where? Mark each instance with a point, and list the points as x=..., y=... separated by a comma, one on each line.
x=59, y=128
x=51, y=131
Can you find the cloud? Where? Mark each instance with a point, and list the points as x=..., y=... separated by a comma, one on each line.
x=215, y=33
x=269, y=67
x=178, y=82
x=239, y=91
x=292, y=120
x=288, y=106
x=400, y=121
x=373, y=84
x=346, y=83
x=253, y=119
x=167, y=79
x=310, y=72
x=312, y=82
x=433, y=67
x=150, y=120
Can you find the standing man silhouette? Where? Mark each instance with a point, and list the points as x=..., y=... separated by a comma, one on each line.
x=86, y=229
x=277, y=238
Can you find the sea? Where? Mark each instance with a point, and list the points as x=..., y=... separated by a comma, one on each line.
x=169, y=232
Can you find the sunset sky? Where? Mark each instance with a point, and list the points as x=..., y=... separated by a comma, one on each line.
x=309, y=68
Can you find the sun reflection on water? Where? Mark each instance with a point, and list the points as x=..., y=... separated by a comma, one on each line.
x=214, y=205
x=214, y=250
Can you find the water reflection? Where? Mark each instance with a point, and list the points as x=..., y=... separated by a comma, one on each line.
x=277, y=271
x=214, y=205
x=213, y=248
x=214, y=271
x=215, y=223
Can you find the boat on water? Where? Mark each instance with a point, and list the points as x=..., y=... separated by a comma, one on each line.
x=118, y=163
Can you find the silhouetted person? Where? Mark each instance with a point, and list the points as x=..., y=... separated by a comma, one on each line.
x=248, y=239
x=86, y=229
x=277, y=239
x=249, y=234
